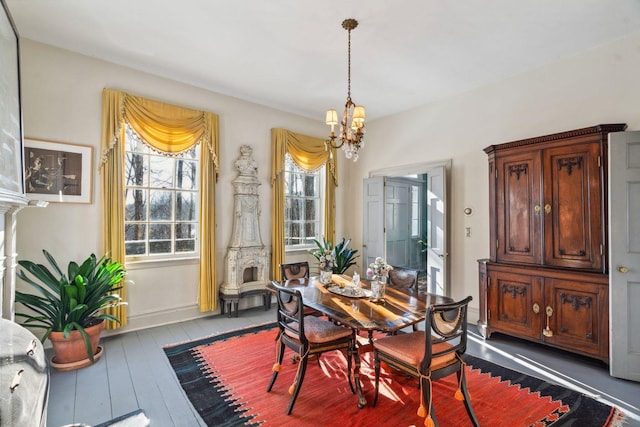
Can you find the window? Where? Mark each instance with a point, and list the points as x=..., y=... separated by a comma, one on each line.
x=415, y=211
x=304, y=205
x=161, y=200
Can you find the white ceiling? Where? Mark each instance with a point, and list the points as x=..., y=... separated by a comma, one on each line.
x=292, y=54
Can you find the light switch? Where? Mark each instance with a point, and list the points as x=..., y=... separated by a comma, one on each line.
x=468, y=231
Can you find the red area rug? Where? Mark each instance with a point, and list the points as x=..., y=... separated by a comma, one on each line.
x=225, y=377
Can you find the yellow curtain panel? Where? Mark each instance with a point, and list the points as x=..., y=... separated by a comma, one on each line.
x=309, y=154
x=172, y=130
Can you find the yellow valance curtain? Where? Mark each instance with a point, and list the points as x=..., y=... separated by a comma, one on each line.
x=309, y=154
x=169, y=129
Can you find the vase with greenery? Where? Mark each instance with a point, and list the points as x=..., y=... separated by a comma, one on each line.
x=71, y=301
x=341, y=256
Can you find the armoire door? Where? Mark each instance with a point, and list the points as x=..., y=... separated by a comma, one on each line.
x=572, y=207
x=518, y=182
x=515, y=302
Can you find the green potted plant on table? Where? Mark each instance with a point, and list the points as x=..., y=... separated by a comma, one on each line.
x=69, y=307
x=334, y=260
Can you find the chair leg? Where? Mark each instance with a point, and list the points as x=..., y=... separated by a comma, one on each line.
x=376, y=364
x=467, y=398
x=425, y=389
x=302, y=368
x=279, y=362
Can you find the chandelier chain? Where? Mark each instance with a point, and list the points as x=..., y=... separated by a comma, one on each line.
x=349, y=66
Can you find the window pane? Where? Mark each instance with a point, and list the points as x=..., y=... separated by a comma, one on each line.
x=159, y=231
x=135, y=248
x=135, y=232
x=161, y=171
x=161, y=203
x=310, y=185
x=135, y=208
x=311, y=209
x=186, y=175
x=296, y=211
x=186, y=230
x=295, y=229
x=185, y=245
x=137, y=171
x=160, y=247
x=186, y=208
x=311, y=229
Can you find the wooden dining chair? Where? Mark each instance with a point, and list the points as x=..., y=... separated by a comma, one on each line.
x=295, y=270
x=306, y=336
x=404, y=278
x=298, y=270
x=401, y=277
x=430, y=356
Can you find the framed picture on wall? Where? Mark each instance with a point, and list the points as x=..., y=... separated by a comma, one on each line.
x=57, y=172
x=11, y=182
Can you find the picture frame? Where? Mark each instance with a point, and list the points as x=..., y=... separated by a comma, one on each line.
x=11, y=177
x=57, y=172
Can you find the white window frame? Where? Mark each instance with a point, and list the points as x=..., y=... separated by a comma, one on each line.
x=321, y=173
x=148, y=154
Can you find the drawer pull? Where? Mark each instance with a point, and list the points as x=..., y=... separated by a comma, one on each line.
x=536, y=308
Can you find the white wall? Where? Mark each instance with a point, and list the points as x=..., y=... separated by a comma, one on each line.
x=62, y=102
x=598, y=86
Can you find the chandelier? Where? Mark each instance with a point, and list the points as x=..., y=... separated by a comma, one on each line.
x=352, y=124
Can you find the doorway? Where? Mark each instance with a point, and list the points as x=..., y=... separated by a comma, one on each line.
x=401, y=207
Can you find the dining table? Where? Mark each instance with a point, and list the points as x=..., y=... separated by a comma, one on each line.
x=358, y=310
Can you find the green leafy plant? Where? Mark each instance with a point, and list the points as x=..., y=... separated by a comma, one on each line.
x=73, y=301
x=341, y=257
x=424, y=244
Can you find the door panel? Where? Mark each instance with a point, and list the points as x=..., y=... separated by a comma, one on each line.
x=519, y=197
x=512, y=301
x=575, y=322
x=624, y=244
x=398, y=222
x=437, y=256
x=373, y=221
x=573, y=206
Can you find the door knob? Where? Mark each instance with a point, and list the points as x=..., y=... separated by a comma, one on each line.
x=623, y=269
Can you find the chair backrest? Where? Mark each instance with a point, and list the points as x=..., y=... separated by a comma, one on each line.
x=295, y=270
x=290, y=312
x=401, y=277
x=446, y=331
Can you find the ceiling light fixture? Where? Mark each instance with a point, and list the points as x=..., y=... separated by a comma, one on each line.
x=352, y=125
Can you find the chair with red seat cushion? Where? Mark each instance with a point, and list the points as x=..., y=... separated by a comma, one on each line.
x=430, y=356
x=307, y=336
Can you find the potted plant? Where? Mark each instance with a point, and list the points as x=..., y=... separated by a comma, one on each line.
x=337, y=259
x=70, y=306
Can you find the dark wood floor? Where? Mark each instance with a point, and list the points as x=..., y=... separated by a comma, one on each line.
x=134, y=373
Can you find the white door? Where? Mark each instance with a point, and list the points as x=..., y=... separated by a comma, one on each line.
x=437, y=279
x=373, y=234
x=624, y=253
x=397, y=222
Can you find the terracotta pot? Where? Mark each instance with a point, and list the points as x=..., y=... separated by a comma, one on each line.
x=72, y=349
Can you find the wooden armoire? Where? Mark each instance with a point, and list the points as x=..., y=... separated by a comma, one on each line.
x=547, y=276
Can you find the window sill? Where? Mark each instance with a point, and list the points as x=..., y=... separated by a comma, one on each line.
x=166, y=262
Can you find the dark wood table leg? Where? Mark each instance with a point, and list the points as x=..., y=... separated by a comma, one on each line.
x=362, y=402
